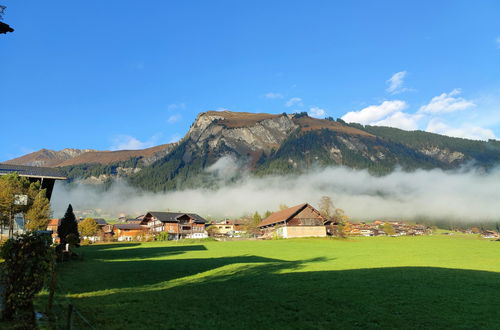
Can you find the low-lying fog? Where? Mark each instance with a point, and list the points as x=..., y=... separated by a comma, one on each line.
x=465, y=195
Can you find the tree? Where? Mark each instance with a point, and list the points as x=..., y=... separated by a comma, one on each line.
x=10, y=186
x=257, y=218
x=267, y=214
x=67, y=227
x=388, y=229
x=283, y=207
x=28, y=260
x=88, y=227
x=326, y=207
x=212, y=231
x=39, y=213
x=340, y=216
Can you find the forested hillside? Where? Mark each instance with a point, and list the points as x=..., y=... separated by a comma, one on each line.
x=265, y=144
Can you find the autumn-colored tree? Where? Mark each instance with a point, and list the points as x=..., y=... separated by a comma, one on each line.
x=388, y=229
x=283, y=207
x=39, y=213
x=212, y=231
x=326, y=207
x=267, y=214
x=257, y=218
x=88, y=227
x=340, y=216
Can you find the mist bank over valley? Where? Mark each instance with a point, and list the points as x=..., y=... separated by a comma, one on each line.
x=464, y=195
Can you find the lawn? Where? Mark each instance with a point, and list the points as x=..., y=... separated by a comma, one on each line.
x=376, y=282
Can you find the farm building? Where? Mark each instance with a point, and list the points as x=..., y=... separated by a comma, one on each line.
x=298, y=221
x=228, y=227
x=128, y=231
x=177, y=225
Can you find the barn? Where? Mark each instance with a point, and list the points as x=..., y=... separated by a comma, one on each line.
x=298, y=221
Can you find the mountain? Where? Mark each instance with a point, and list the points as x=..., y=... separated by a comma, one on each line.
x=72, y=157
x=225, y=144
x=48, y=158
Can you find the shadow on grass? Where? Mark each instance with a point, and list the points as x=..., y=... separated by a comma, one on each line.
x=134, y=251
x=271, y=293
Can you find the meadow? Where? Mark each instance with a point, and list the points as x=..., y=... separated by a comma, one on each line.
x=375, y=282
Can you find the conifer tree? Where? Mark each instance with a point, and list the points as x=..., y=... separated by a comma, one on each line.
x=68, y=226
x=39, y=213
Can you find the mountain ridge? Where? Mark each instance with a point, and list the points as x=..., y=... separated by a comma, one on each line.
x=264, y=144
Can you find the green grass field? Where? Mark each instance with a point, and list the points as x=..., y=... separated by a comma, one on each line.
x=407, y=282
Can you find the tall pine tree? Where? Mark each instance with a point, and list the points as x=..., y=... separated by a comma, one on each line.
x=68, y=226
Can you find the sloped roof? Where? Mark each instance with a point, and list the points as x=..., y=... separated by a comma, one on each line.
x=283, y=215
x=101, y=221
x=32, y=171
x=54, y=222
x=128, y=226
x=174, y=216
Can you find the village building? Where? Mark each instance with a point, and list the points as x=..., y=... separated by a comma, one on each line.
x=52, y=226
x=128, y=231
x=177, y=225
x=298, y=221
x=229, y=227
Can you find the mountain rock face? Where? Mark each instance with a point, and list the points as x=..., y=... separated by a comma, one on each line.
x=268, y=144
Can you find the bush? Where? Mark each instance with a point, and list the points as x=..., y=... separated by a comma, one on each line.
x=28, y=260
x=162, y=236
x=86, y=242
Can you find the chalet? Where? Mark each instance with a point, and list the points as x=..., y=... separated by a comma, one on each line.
x=229, y=227
x=298, y=221
x=128, y=231
x=177, y=225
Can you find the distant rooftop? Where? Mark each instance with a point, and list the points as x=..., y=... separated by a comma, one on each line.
x=32, y=171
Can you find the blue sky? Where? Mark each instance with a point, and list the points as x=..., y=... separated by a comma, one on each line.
x=132, y=74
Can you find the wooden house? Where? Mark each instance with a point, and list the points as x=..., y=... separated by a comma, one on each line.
x=128, y=231
x=229, y=227
x=298, y=221
x=177, y=225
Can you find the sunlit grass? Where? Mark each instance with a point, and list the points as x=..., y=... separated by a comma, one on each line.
x=360, y=282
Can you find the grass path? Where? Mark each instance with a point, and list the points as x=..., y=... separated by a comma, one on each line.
x=380, y=282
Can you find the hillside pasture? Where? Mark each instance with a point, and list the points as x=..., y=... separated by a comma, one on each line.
x=404, y=282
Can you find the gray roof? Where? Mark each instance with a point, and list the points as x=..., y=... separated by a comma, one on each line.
x=128, y=226
x=32, y=171
x=174, y=216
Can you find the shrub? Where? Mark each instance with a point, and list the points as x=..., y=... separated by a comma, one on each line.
x=28, y=261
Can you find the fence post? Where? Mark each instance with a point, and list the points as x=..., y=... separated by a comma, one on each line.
x=70, y=317
x=52, y=288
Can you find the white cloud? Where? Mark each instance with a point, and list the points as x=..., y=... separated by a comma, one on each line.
x=317, y=112
x=294, y=101
x=127, y=142
x=396, y=83
x=467, y=131
x=271, y=96
x=446, y=103
x=222, y=109
x=174, y=118
x=176, y=106
x=374, y=113
x=401, y=120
